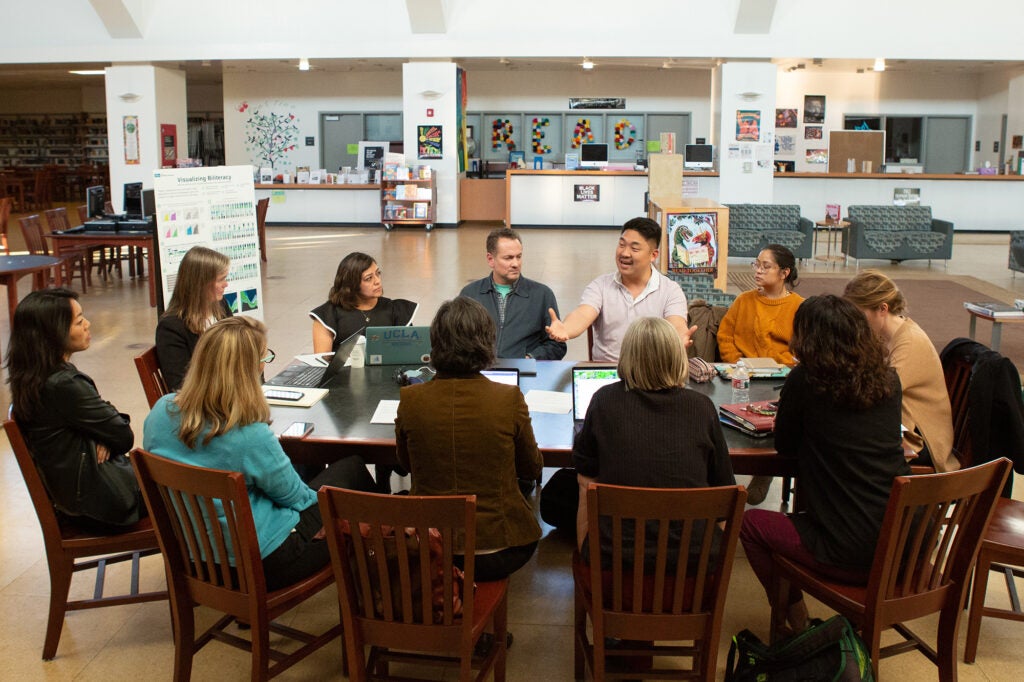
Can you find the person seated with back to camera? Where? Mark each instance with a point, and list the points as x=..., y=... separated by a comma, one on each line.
x=759, y=324
x=518, y=306
x=647, y=430
x=927, y=416
x=463, y=434
x=839, y=416
x=356, y=301
x=197, y=302
x=77, y=440
x=220, y=420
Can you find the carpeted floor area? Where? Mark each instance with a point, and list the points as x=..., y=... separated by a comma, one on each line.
x=936, y=304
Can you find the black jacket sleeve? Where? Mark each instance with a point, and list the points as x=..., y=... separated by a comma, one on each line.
x=83, y=410
x=174, y=346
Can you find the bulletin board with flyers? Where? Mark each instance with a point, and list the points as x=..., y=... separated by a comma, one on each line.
x=213, y=207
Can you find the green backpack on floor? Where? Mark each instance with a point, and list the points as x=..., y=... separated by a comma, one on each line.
x=829, y=650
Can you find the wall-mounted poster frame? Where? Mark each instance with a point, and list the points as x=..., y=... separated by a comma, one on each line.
x=429, y=142
x=130, y=125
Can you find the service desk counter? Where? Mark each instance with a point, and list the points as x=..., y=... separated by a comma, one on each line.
x=321, y=204
x=587, y=198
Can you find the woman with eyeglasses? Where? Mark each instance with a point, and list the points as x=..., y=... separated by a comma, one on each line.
x=220, y=420
x=759, y=323
x=197, y=302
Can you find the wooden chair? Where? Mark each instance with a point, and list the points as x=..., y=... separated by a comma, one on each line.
x=6, y=205
x=65, y=545
x=261, y=221
x=175, y=492
x=926, y=550
x=682, y=592
x=32, y=230
x=387, y=604
x=83, y=213
x=152, y=378
x=39, y=192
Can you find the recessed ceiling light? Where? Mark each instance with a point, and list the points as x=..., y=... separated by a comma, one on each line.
x=89, y=72
x=879, y=64
x=587, y=64
x=303, y=64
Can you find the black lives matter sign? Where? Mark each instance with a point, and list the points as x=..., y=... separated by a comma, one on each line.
x=586, y=193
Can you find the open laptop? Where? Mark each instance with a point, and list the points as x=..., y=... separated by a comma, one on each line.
x=305, y=376
x=527, y=366
x=586, y=380
x=397, y=345
x=502, y=375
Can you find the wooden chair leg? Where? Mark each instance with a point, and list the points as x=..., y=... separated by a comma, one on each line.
x=184, y=639
x=981, y=572
x=60, y=586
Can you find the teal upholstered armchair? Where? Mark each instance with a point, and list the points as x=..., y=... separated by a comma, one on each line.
x=753, y=226
x=897, y=233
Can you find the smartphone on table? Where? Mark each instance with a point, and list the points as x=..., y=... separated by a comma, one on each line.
x=298, y=430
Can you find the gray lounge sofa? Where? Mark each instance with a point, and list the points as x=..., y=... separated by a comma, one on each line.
x=897, y=233
x=754, y=226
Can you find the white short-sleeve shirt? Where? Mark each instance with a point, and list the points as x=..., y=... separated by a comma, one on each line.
x=617, y=308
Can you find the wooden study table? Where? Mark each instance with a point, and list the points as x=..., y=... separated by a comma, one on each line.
x=13, y=268
x=342, y=421
x=141, y=239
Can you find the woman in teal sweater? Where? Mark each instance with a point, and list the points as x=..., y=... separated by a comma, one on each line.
x=219, y=420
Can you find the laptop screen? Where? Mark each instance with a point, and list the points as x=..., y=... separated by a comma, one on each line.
x=502, y=376
x=585, y=382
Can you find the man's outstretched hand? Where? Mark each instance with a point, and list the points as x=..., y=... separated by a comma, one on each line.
x=556, y=330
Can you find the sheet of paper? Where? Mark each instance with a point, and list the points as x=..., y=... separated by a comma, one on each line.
x=554, y=402
x=386, y=412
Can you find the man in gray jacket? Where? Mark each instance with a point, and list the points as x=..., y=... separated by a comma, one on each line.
x=519, y=306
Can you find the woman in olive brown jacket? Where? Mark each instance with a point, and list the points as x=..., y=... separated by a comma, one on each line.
x=462, y=434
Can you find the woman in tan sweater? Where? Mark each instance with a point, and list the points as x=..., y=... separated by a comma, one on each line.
x=926, y=413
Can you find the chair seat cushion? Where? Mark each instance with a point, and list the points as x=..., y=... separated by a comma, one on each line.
x=884, y=242
x=925, y=242
x=744, y=240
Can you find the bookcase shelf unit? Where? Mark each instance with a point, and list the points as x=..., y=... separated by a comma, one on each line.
x=37, y=140
x=397, y=207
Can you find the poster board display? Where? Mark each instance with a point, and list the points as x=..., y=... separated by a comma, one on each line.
x=859, y=145
x=213, y=207
x=693, y=243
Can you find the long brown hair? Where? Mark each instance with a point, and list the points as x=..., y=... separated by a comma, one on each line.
x=198, y=270
x=39, y=342
x=348, y=279
x=843, y=358
x=222, y=388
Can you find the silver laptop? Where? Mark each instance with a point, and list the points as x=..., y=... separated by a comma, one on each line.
x=586, y=380
x=305, y=376
x=397, y=345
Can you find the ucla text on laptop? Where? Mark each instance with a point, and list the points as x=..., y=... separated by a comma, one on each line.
x=397, y=345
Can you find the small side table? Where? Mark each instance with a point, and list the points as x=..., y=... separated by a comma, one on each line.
x=834, y=227
x=997, y=325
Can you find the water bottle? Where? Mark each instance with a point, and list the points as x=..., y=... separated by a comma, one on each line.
x=741, y=384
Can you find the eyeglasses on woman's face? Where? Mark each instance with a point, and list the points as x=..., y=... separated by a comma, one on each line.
x=269, y=357
x=762, y=266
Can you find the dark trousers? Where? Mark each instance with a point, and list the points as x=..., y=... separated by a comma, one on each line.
x=301, y=555
x=501, y=564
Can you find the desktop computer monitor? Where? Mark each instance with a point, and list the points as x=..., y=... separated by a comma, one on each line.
x=132, y=205
x=593, y=155
x=698, y=157
x=95, y=198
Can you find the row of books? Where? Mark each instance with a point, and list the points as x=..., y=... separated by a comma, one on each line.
x=419, y=211
x=394, y=171
x=994, y=309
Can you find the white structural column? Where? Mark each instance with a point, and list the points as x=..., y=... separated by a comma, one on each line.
x=430, y=98
x=746, y=134
x=154, y=96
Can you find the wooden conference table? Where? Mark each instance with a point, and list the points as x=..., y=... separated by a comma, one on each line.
x=342, y=421
x=141, y=239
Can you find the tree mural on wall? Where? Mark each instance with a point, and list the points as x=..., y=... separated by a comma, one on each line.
x=271, y=131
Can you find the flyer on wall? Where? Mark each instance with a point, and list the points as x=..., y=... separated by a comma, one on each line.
x=213, y=207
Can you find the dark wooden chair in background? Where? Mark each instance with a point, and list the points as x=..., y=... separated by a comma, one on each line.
x=65, y=545
x=39, y=190
x=926, y=551
x=6, y=205
x=152, y=378
x=183, y=501
x=261, y=225
x=32, y=230
x=653, y=593
x=389, y=603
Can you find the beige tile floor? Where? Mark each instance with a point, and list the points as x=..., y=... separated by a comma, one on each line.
x=135, y=641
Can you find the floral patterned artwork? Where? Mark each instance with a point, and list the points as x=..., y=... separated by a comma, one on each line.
x=271, y=131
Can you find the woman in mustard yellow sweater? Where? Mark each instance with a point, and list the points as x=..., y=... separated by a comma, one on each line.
x=759, y=323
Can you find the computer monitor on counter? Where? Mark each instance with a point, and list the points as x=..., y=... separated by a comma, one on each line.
x=698, y=157
x=593, y=155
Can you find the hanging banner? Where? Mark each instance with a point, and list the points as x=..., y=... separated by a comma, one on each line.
x=130, y=125
x=168, y=145
x=213, y=207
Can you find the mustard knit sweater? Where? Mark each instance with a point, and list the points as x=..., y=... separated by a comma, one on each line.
x=758, y=327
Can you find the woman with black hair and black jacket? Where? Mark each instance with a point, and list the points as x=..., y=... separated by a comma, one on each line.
x=78, y=441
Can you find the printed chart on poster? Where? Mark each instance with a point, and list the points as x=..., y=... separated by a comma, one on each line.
x=213, y=207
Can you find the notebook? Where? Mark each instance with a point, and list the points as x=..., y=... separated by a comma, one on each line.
x=397, y=345
x=754, y=419
x=306, y=376
x=502, y=375
x=586, y=380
